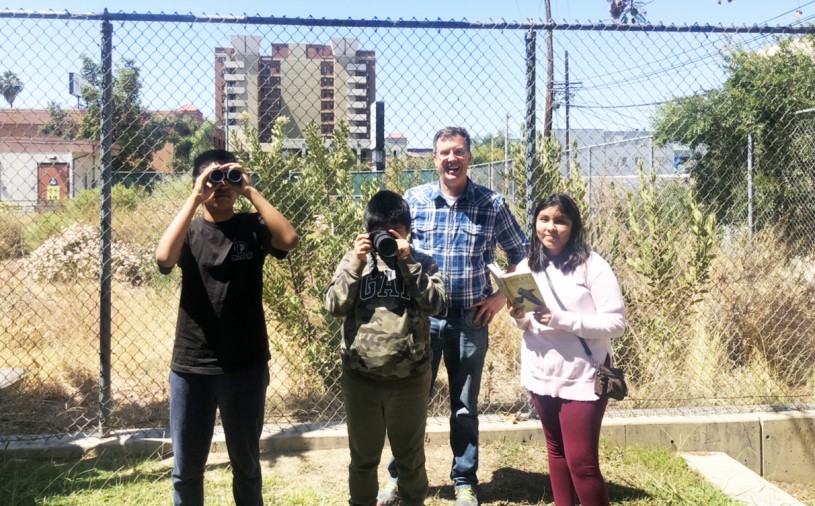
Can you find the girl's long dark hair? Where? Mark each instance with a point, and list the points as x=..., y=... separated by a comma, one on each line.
x=576, y=251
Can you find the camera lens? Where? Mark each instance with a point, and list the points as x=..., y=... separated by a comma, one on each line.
x=384, y=243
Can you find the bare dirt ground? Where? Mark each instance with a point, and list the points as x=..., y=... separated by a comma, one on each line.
x=510, y=474
x=506, y=478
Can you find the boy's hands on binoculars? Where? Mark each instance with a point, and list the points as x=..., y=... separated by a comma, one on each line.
x=204, y=187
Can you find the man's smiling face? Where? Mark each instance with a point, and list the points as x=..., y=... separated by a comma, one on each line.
x=452, y=159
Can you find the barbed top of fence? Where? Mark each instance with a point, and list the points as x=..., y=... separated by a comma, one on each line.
x=400, y=23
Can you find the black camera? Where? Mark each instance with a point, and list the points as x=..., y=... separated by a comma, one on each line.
x=232, y=176
x=384, y=243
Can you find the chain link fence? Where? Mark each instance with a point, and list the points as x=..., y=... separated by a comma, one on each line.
x=689, y=148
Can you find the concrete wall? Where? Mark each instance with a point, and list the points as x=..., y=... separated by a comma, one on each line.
x=778, y=446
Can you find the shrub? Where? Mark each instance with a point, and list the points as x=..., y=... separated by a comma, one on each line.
x=74, y=254
x=11, y=234
x=42, y=227
x=768, y=303
x=321, y=206
x=84, y=208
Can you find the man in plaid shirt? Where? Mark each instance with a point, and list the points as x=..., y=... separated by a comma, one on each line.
x=459, y=223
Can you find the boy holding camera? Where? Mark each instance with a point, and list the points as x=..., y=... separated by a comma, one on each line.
x=221, y=350
x=385, y=291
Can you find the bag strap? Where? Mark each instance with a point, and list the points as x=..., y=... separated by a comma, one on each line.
x=560, y=303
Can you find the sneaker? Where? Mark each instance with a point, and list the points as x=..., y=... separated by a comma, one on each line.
x=465, y=496
x=388, y=494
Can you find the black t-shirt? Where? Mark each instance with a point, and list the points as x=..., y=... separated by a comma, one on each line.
x=221, y=325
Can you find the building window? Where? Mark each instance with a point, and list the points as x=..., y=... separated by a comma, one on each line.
x=275, y=66
x=327, y=129
x=327, y=81
x=327, y=105
x=280, y=50
x=327, y=93
x=327, y=68
x=327, y=117
x=317, y=51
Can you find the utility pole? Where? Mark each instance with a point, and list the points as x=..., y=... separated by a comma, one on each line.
x=568, y=139
x=550, y=77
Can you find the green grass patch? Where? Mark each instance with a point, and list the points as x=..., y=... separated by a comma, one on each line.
x=511, y=473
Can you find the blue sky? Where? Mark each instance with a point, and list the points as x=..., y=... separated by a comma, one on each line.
x=43, y=53
x=737, y=12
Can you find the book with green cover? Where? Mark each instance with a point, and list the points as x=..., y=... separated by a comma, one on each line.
x=518, y=287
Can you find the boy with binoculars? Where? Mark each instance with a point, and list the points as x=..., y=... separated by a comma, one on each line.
x=221, y=349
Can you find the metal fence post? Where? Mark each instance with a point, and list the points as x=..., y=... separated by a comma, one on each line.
x=531, y=151
x=106, y=143
x=750, y=184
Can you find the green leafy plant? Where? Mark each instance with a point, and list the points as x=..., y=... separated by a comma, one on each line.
x=315, y=192
x=670, y=250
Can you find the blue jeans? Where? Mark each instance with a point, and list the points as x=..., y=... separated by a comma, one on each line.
x=241, y=398
x=463, y=344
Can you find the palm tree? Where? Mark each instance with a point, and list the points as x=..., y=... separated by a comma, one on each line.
x=10, y=86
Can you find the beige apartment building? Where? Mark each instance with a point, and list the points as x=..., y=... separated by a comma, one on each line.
x=308, y=83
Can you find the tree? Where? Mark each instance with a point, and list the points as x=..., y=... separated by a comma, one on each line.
x=59, y=123
x=136, y=132
x=190, y=140
x=10, y=86
x=129, y=117
x=759, y=100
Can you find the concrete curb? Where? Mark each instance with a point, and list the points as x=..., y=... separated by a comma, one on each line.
x=735, y=480
x=733, y=451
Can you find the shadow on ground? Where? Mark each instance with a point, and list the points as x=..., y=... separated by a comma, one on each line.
x=508, y=486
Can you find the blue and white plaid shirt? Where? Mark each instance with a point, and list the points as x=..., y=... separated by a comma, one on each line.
x=461, y=238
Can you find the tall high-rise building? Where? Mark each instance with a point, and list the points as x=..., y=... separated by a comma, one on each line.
x=308, y=83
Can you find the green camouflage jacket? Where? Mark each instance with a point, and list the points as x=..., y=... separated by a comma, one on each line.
x=386, y=327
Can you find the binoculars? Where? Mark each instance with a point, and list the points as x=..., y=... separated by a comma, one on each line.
x=232, y=176
x=384, y=243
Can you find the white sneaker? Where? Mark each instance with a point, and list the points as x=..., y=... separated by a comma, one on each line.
x=388, y=494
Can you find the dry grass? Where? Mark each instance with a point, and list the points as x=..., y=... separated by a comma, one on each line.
x=510, y=474
x=751, y=340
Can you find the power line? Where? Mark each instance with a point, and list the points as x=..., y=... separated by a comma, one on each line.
x=683, y=65
x=625, y=106
x=712, y=57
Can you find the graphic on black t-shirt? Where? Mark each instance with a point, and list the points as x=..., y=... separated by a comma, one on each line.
x=241, y=251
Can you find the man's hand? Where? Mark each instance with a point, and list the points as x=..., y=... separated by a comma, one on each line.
x=489, y=307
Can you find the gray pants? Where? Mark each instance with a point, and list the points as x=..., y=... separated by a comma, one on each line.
x=399, y=407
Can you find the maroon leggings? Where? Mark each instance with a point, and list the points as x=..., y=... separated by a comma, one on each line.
x=572, y=430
